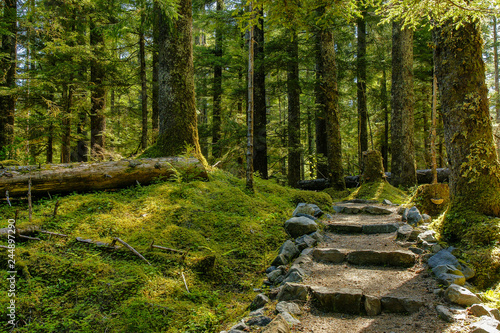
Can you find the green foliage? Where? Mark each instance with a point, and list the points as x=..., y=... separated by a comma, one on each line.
x=67, y=286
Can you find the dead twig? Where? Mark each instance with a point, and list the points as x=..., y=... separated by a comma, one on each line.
x=100, y=244
x=55, y=209
x=152, y=246
x=133, y=250
x=185, y=284
x=52, y=233
x=28, y=237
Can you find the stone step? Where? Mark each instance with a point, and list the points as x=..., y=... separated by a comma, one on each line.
x=396, y=258
x=349, y=300
x=355, y=209
x=346, y=228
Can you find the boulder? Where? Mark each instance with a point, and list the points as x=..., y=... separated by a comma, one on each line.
x=449, y=274
x=292, y=292
x=305, y=241
x=445, y=314
x=259, y=302
x=393, y=304
x=280, y=260
x=486, y=324
x=289, y=250
x=404, y=231
x=338, y=209
x=258, y=321
x=427, y=236
x=461, y=296
x=341, y=300
x=384, y=228
x=479, y=310
x=278, y=325
x=298, y=226
x=289, y=307
x=443, y=257
x=413, y=216
x=329, y=255
x=373, y=306
x=273, y=276
x=396, y=258
x=374, y=210
x=291, y=320
x=309, y=209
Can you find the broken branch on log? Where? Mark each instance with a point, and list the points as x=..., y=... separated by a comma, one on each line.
x=133, y=250
x=64, y=178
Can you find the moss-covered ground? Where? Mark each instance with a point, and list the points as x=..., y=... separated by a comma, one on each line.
x=378, y=190
x=231, y=234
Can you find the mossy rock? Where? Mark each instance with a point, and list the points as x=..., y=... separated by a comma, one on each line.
x=379, y=191
x=322, y=199
x=432, y=199
x=337, y=195
x=486, y=263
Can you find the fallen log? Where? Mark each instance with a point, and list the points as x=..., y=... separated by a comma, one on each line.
x=424, y=176
x=64, y=178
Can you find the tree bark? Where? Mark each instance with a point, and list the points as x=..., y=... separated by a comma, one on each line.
x=98, y=94
x=67, y=96
x=8, y=78
x=475, y=170
x=495, y=64
x=385, y=110
x=144, y=83
x=250, y=110
x=217, y=87
x=332, y=112
x=177, y=107
x=361, y=90
x=403, y=167
x=293, y=91
x=155, y=92
x=64, y=178
x=260, y=108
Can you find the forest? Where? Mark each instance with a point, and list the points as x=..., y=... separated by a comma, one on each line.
x=259, y=98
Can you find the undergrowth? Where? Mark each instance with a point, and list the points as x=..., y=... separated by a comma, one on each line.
x=231, y=234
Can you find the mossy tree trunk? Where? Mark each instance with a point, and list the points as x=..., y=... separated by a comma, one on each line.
x=403, y=166
x=98, y=92
x=177, y=108
x=373, y=166
x=154, y=98
x=361, y=90
x=143, y=79
x=217, y=86
x=474, y=166
x=332, y=112
x=8, y=77
x=293, y=90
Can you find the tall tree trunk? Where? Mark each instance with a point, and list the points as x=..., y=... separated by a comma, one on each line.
x=293, y=91
x=177, y=106
x=402, y=122
x=82, y=148
x=50, y=143
x=425, y=130
x=154, y=103
x=144, y=83
x=332, y=112
x=98, y=93
x=260, y=109
x=217, y=86
x=361, y=90
x=320, y=123
x=8, y=78
x=385, y=110
x=250, y=104
x=67, y=97
x=474, y=166
x=495, y=60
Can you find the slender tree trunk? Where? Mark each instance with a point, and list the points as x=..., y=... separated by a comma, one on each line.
x=320, y=123
x=361, y=90
x=332, y=112
x=426, y=131
x=293, y=91
x=495, y=60
x=260, y=108
x=402, y=132
x=98, y=94
x=154, y=103
x=8, y=78
x=50, y=143
x=177, y=106
x=67, y=97
x=250, y=111
x=82, y=148
x=144, y=82
x=433, y=129
x=473, y=161
x=385, y=110
x=217, y=87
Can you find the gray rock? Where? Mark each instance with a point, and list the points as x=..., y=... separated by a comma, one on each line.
x=289, y=250
x=401, y=210
x=479, y=310
x=427, y=236
x=461, y=296
x=413, y=217
x=404, y=231
x=278, y=325
x=443, y=257
x=304, y=242
x=236, y=331
x=351, y=210
x=292, y=292
x=258, y=321
x=256, y=313
x=396, y=258
x=259, y=301
x=466, y=270
x=280, y=260
x=338, y=209
x=309, y=209
x=486, y=324
x=436, y=248
x=270, y=269
x=291, y=320
x=414, y=234
x=241, y=326
x=317, y=236
x=307, y=252
x=302, y=260
x=416, y=250
x=344, y=228
x=274, y=275
x=449, y=270
x=373, y=306
x=495, y=313
x=298, y=226
x=306, y=215
x=393, y=304
x=289, y=307
x=329, y=255
x=337, y=300
x=385, y=228
x=448, y=279
x=387, y=202
x=445, y=314
x=294, y=276
x=374, y=210
x=426, y=218
x=280, y=279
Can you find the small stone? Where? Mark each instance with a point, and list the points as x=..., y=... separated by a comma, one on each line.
x=479, y=310
x=486, y=324
x=401, y=210
x=239, y=326
x=413, y=217
x=280, y=260
x=445, y=313
x=329, y=255
x=466, y=270
x=374, y=210
x=426, y=218
x=404, y=231
x=274, y=275
x=427, y=236
x=298, y=226
x=443, y=257
x=304, y=242
x=289, y=307
x=289, y=250
x=495, y=313
x=294, y=276
x=270, y=269
x=259, y=301
x=278, y=325
x=448, y=274
x=309, y=209
x=317, y=236
x=387, y=202
x=448, y=279
x=416, y=250
x=256, y=313
x=461, y=296
x=373, y=307
x=338, y=209
x=258, y=321
x=293, y=291
x=436, y=248
x=291, y=320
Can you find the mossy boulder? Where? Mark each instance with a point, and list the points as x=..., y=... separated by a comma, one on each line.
x=432, y=199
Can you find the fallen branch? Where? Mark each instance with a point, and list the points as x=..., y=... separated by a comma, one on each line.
x=152, y=246
x=185, y=284
x=100, y=244
x=52, y=233
x=133, y=250
x=28, y=237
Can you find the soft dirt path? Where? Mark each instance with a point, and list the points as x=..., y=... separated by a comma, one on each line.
x=414, y=282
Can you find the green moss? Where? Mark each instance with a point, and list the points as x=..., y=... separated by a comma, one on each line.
x=6, y=163
x=71, y=286
x=379, y=191
x=425, y=194
x=337, y=195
